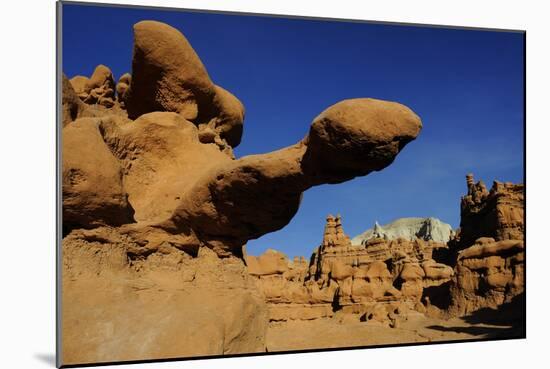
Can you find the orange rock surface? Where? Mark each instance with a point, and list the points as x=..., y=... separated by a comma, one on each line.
x=156, y=209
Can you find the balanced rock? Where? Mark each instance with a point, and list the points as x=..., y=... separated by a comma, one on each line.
x=357, y=136
x=268, y=187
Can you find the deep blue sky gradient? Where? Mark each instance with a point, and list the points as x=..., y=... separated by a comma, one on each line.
x=466, y=85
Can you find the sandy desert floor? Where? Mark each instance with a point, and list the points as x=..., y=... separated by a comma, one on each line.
x=335, y=332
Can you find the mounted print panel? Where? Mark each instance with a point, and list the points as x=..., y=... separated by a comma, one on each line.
x=251, y=184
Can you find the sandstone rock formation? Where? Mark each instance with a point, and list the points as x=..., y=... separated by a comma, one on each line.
x=489, y=248
x=167, y=75
x=157, y=210
x=388, y=273
x=98, y=89
x=379, y=283
x=122, y=87
x=380, y=276
x=120, y=303
x=93, y=190
x=380, y=270
x=273, y=182
x=408, y=228
x=497, y=213
x=71, y=106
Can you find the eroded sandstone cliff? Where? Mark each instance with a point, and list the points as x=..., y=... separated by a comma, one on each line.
x=489, y=250
x=394, y=272
x=381, y=281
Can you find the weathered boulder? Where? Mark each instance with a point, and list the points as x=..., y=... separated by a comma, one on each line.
x=71, y=106
x=93, y=190
x=357, y=136
x=79, y=84
x=488, y=274
x=100, y=88
x=162, y=158
x=270, y=262
x=101, y=77
x=229, y=122
x=167, y=75
x=122, y=87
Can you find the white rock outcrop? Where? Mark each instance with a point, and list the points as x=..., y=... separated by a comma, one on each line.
x=410, y=229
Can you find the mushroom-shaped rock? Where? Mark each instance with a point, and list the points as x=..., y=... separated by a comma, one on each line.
x=247, y=198
x=357, y=136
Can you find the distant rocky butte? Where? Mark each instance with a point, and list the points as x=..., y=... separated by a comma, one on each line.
x=156, y=208
x=488, y=253
x=387, y=278
x=427, y=229
x=382, y=280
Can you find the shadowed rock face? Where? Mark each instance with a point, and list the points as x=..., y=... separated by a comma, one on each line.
x=93, y=191
x=496, y=213
x=489, y=250
x=154, y=202
x=71, y=107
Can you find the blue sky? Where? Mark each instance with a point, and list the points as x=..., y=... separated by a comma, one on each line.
x=466, y=85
